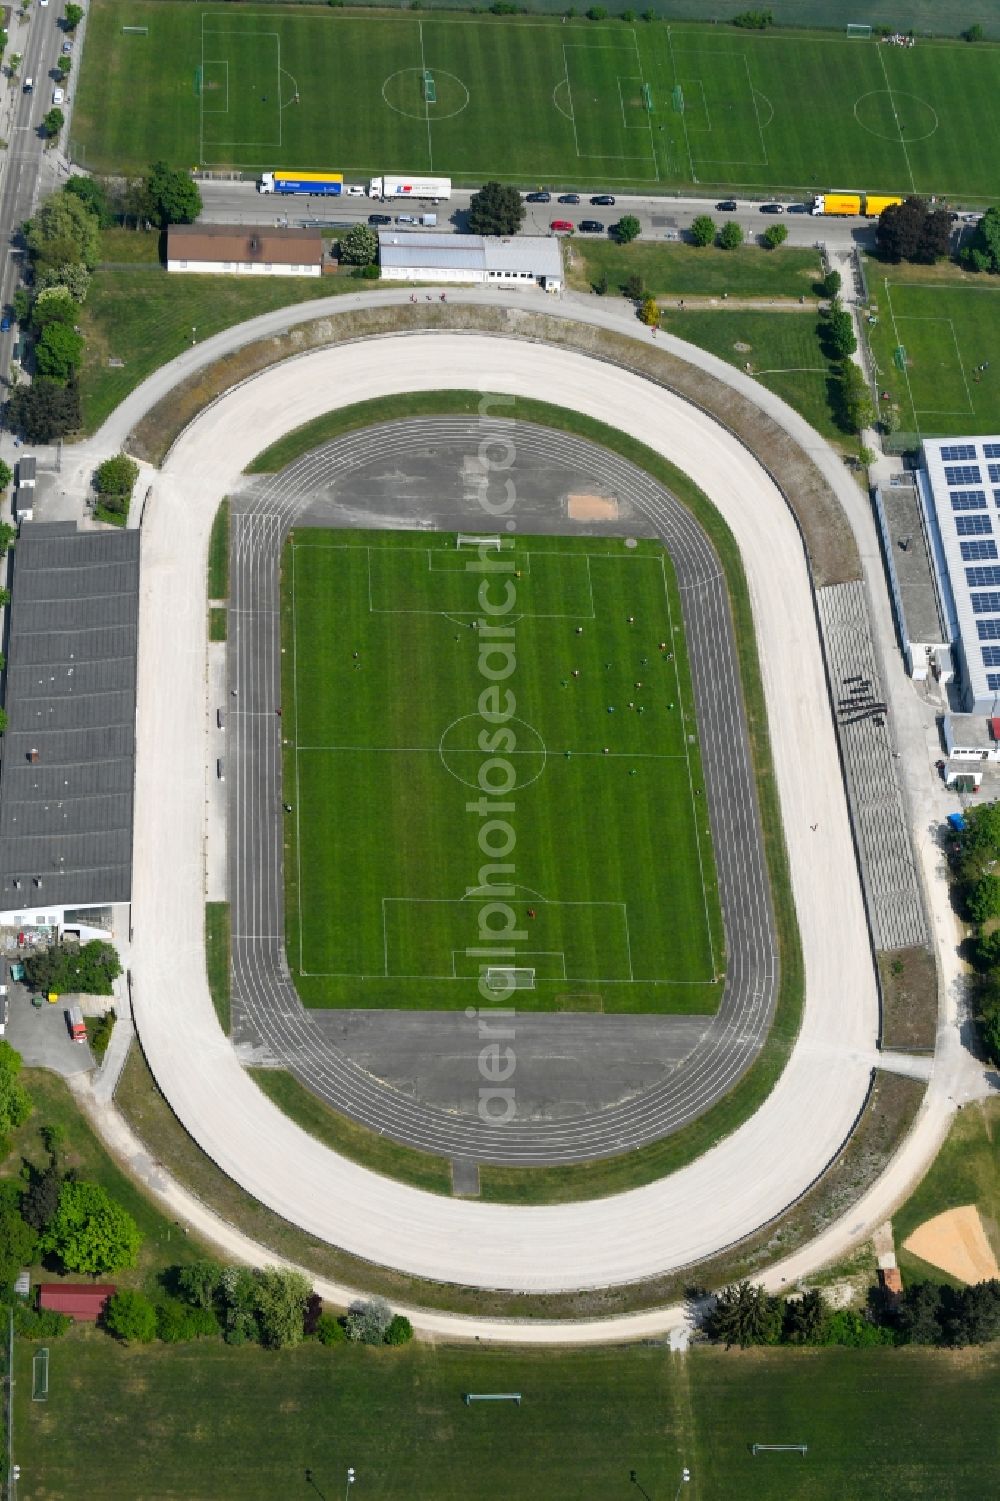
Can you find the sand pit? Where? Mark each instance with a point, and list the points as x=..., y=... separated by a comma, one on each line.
x=956, y=1242
x=592, y=508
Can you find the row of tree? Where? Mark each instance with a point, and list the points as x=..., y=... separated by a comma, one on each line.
x=974, y=861
x=65, y=968
x=927, y=1313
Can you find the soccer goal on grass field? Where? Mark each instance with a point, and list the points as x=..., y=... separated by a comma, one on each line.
x=430, y=89
x=40, y=1375
x=856, y=29
x=510, y=979
x=678, y=99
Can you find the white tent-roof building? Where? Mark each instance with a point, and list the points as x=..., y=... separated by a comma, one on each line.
x=433, y=256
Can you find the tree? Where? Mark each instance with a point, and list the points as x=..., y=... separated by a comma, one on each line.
x=983, y=899
x=703, y=229
x=602, y=284
x=913, y=231
x=627, y=229
x=330, y=1330
x=745, y=1315
x=45, y=410
x=359, y=247
x=597, y=13
x=805, y=1318
x=58, y=352
x=237, y=1296
x=281, y=1296
x=171, y=197
x=131, y=1316
x=983, y=251
x=838, y=331
x=91, y=1232
x=53, y=305
x=368, y=1320
x=63, y=229
x=15, y=1102
x=41, y=1200
x=14, y=64
x=973, y=33
x=72, y=16
x=115, y=480
x=935, y=237
x=64, y=64
x=830, y=285
x=649, y=312
x=496, y=210
x=775, y=236
x=400, y=1331
x=18, y=1241
x=731, y=236
x=635, y=287
x=73, y=276
x=198, y=1283
x=918, y=1315
x=93, y=192
x=91, y=968
x=52, y=123
x=6, y=474
x=857, y=410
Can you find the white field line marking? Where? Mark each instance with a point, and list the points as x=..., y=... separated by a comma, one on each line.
x=895, y=114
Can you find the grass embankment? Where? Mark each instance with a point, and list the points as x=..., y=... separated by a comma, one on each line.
x=783, y=351
x=241, y=1424
x=909, y=999
x=965, y=1171
x=218, y=554
x=380, y=1153
x=146, y=317
x=679, y=270
x=217, y=956
x=217, y=623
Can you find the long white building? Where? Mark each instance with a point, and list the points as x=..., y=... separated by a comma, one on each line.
x=433, y=256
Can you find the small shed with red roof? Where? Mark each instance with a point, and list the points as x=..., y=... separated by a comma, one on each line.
x=81, y=1300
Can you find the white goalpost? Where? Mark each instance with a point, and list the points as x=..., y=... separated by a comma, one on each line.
x=510, y=978
x=469, y=539
x=856, y=29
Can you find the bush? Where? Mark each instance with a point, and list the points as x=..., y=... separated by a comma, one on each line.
x=330, y=1330
x=627, y=229
x=702, y=230
x=91, y=968
x=41, y=1200
x=366, y=273
x=974, y=33
x=176, y=1322
x=400, y=1331
x=131, y=1316
x=775, y=236
x=754, y=20
x=730, y=236
x=368, y=1320
x=649, y=312
x=99, y=1033
x=39, y=1323
x=597, y=13
x=635, y=287
x=91, y=1232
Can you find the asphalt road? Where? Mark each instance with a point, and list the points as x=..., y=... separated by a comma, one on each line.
x=256, y=820
x=662, y=218
x=751, y=1175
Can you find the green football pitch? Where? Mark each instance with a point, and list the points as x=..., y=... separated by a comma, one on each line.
x=611, y=880
x=929, y=345
x=531, y=101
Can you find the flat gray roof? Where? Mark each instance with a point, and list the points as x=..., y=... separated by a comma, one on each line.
x=539, y=255
x=66, y=814
x=913, y=565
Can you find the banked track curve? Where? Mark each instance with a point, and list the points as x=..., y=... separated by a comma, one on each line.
x=746, y=1179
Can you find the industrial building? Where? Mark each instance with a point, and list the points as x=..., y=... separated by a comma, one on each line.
x=483, y=260
x=67, y=757
x=244, y=250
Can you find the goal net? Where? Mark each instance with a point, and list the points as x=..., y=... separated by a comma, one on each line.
x=510, y=979
x=469, y=539
x=430, y=88
x=40, y=1375
x=858, y=30
x=678, y=99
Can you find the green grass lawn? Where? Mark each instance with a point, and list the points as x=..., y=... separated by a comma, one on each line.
x=782, y=348
x=532, y=100
x=217, y=942
x=387, y=743
x=203, y=1420
x=695, y=271
x=947, y=328
x=218, y=553
x=146, y=317
x=965, y=1171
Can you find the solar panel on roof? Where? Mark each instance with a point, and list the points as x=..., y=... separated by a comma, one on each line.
x=985, y=604
x=993, y=681
x=978, y=550
x=963, y=474
x=981, y=578
x=959, y=451
x=968, y=500
x=991, y=656
x=973, y=526
x=989, y=630
x=992, y=450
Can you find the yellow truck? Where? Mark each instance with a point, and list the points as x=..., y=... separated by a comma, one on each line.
x=845, y=204
x=876, y=202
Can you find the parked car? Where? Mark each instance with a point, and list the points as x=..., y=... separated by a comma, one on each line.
x=798, y=208
x=407, y=219
x=6, y=322
x=603, y=200
x=354, y=190
x=538, y=197
x=379, y=218
x=570, y=198
x=561, y=227
x=592, y=226
x=58, y=95
x=28, y=86
x=67, y=47
x=727, y=206
x=772, y=208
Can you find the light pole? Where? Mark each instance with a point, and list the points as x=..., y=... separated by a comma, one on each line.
x=684, y=1480
x=350, y=1482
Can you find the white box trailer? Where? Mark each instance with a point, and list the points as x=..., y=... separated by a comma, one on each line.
x=398, y=185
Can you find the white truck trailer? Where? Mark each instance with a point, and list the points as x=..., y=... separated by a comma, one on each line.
x=398, y=185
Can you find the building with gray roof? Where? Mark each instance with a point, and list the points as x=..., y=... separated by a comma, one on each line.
x=958, y=483
x=67, y=759
x=435, y=256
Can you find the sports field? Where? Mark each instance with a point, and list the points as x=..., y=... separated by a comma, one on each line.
x=929, y=344
x=613, y=881
x=531, y=101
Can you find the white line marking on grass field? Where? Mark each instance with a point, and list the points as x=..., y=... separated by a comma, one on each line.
x=756, y=111
x=677, y=81
x=895, y=116
x=572, y=110
x=649, y=118
x=900, y=345
x=427, y=107
x=298, y=800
